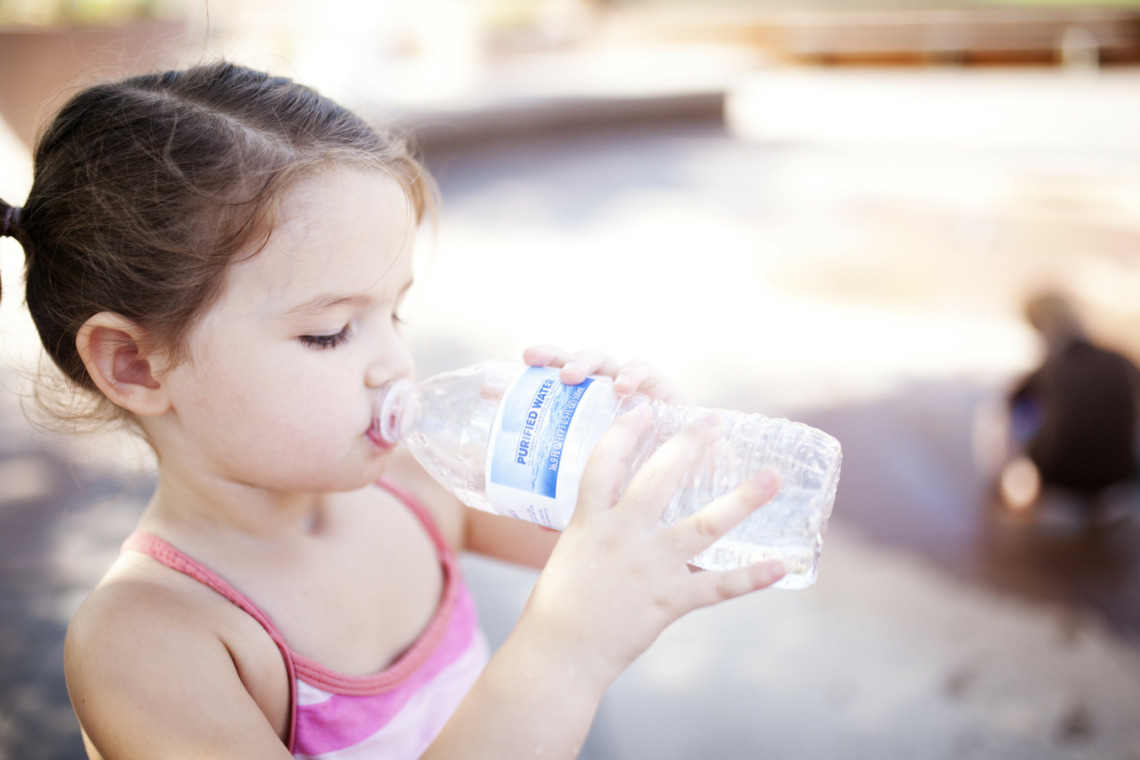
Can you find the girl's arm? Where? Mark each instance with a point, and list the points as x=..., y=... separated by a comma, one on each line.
x=468, y=529
x=505, y=538
x=502, y=537
x=615, y=580
x=521, y=542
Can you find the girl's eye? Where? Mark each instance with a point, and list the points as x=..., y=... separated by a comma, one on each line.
x=325, y=341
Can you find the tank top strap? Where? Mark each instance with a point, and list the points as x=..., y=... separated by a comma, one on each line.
x=421, y=513
x=298, y=665
x=314, y=673
x=167, y=554
x=175, y=559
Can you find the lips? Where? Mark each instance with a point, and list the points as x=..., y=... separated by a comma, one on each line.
x=373, y=435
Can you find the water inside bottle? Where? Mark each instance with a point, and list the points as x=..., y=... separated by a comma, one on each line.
x=800, y=564
x=789, y=528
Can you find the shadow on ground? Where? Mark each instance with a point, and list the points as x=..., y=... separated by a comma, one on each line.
x=59, y=529
x=910, y=481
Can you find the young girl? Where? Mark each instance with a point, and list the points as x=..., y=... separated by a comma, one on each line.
x=218, y=257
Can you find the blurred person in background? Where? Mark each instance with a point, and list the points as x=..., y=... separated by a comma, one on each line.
x=1073, y=421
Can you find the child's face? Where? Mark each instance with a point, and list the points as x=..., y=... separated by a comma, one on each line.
x=284, y=368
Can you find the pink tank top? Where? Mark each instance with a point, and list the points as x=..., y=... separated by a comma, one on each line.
x=396, y=713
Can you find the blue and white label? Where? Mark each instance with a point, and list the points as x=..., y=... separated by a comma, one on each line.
x=527, y=444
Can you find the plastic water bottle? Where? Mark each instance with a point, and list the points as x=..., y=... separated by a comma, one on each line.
x=513, y=440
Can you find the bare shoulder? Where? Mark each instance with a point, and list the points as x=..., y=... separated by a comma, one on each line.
x=134, y=626
x=130, y=604
x=149, y=668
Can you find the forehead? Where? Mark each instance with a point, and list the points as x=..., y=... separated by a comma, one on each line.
x=342, y=230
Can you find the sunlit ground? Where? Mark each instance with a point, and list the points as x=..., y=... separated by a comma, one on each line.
x=825, y=263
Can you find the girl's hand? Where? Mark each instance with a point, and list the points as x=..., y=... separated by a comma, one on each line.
x=618, y=577
x=615, y=580
x=631, y=377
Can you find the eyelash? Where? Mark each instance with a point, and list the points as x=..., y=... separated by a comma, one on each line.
x=323, y=342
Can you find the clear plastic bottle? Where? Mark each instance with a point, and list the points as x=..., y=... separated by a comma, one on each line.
x=514, y=440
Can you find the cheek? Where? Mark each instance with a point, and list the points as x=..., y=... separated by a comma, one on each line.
x=301, y=412
x=273, y=398
x=288, y=443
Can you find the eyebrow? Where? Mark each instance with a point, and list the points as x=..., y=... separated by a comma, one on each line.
x=326, y=301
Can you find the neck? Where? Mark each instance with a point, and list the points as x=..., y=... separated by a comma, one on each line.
x=196, y=506
x=197, y=496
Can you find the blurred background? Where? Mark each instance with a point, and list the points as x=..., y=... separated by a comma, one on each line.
x=830, y=210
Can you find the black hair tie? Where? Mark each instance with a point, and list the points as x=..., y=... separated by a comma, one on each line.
x=11, y=219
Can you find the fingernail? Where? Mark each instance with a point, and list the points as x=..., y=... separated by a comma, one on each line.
x=776, y=571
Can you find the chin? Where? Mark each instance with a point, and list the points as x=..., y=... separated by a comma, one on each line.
x=343, y=482
x=371, y=474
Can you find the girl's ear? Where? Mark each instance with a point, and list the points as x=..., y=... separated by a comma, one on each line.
x=113, y=349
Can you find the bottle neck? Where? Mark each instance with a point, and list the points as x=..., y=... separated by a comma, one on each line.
x=391, y=411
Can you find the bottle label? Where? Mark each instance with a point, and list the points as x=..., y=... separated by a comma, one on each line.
x=527, y=442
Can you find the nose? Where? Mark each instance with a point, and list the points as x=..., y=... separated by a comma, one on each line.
x=391, y=362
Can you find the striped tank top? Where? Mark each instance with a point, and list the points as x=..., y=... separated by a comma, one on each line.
x=393, y=714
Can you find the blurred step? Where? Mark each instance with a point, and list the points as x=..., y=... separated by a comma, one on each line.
x=1046, y=110
x=971, y=35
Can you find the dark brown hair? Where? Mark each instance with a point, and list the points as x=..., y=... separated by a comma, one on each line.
x=145, y=190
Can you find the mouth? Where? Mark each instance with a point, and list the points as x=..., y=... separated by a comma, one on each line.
x=373, y=434
x=389, y=414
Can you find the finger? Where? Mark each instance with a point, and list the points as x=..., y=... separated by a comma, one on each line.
x=699, y=531
x=545, y=355
x=586, y=362
x=576, y=366
x=658, y=479
x=641, y=377
x=705, y=589
x=604, y=474
x=636, y=376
